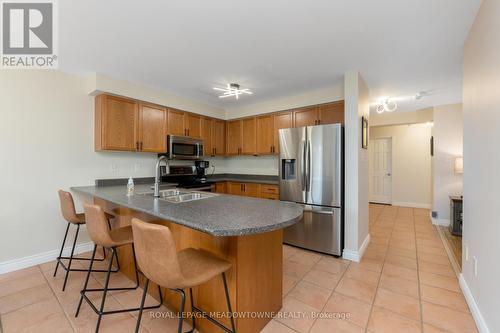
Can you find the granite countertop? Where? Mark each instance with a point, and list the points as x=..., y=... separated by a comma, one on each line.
x=220, y=215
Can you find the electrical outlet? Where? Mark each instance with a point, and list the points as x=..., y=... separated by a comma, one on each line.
x=114, y=169
x=474, y=259
x=466, y=252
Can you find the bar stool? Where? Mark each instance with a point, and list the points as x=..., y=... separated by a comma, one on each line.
x=161, y=263
x=69, y=213
x=108, y=239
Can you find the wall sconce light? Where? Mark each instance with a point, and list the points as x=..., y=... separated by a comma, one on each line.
x=459, y=165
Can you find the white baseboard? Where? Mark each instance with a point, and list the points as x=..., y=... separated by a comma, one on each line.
x=411, y=204
x=441, y=222
x=356, y=255
x=474, y=309
x=40, y=258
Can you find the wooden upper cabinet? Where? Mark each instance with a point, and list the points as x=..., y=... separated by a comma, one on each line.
x=192, y=124
x=206, y=136
x=219, y=137
x=281, y=120
x=115, y=123
x=233, y=137
x=265, y=135
x=249, y=136
x=152, y=128
x=175, y=122
x=331, y=113
x=307, y=116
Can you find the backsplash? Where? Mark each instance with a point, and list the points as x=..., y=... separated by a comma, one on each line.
x=250, y=165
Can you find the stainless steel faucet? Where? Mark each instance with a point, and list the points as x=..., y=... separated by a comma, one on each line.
x=158, y=175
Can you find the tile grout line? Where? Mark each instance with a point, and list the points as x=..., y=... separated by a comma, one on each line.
x=323, y=308
x=418, y=276
x=381, y=272
x=57, y=299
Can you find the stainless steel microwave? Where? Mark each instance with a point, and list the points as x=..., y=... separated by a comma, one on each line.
x=184, y=148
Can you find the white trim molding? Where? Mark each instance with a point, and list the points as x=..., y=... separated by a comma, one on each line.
x=440, y=222
x=40, y=258
x=411, y=204
x=356, y=255
x=474, y=309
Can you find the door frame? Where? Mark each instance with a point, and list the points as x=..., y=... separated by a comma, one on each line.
x=370, y=200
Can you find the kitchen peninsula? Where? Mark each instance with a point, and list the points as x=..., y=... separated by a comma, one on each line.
x=245, y=231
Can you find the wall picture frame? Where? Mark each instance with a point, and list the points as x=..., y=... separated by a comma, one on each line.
x=364, y=133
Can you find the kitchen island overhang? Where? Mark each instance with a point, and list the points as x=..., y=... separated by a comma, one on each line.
x=245, y=231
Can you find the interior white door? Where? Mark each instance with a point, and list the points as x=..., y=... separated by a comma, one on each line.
x=380, y=170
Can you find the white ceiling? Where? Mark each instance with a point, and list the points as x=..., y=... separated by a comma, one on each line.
x=276, y=48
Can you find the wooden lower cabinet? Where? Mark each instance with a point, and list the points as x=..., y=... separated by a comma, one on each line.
x=255, y=190
x=255, y=280
x=220, y=188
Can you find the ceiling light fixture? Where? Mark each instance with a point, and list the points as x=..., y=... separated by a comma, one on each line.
x=386, y=105
x=233, y=89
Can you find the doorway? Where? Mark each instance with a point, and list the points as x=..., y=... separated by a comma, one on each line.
x=380, y=177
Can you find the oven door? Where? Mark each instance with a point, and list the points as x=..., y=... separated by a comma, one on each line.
x=184, y=148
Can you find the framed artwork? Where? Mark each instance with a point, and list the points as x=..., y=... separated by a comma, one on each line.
x=364, y=133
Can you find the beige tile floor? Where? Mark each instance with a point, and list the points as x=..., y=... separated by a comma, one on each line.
x=404, y=284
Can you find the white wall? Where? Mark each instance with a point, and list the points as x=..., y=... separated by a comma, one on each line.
x=356, y=168
x=46, y=140
x=448, y=144
x=481, y=110
x=251, y=165
x=400, y=118
x=411, y=163
x=328, y=94
x=98, y=83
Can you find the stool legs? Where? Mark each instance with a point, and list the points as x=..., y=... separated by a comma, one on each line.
x=72, y=257
x=194, y=309
x=62, y=248
x=100, y=312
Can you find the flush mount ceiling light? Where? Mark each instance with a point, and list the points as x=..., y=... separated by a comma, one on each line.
x=386, y=105
x=233, y=89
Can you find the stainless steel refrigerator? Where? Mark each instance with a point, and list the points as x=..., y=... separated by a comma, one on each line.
x=311, y=173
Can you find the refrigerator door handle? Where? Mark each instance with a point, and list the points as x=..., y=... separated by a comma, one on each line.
x=308, y=179
x=304, y=170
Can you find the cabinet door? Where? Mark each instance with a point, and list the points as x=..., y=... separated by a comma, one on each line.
x=152, y=132
x=116, y=120
x=234, y=188
x=331, y=113
x=233, y=137
x=307, y=116
x=265, y=135
x=281, y=120
x=251, y=190
x=193, y=125
x=220, y=188
x=175, y=122
x=249, y=136
x=219, y=137
x=206, y=136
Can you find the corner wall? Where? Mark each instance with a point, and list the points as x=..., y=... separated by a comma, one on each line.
x=481, y=109
x=356, y=168
x=448, y=144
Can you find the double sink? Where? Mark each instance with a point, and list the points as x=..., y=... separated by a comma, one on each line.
x=178, y=196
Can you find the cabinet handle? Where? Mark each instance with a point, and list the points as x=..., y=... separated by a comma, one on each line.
x=215, y=151
x=137, y=145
